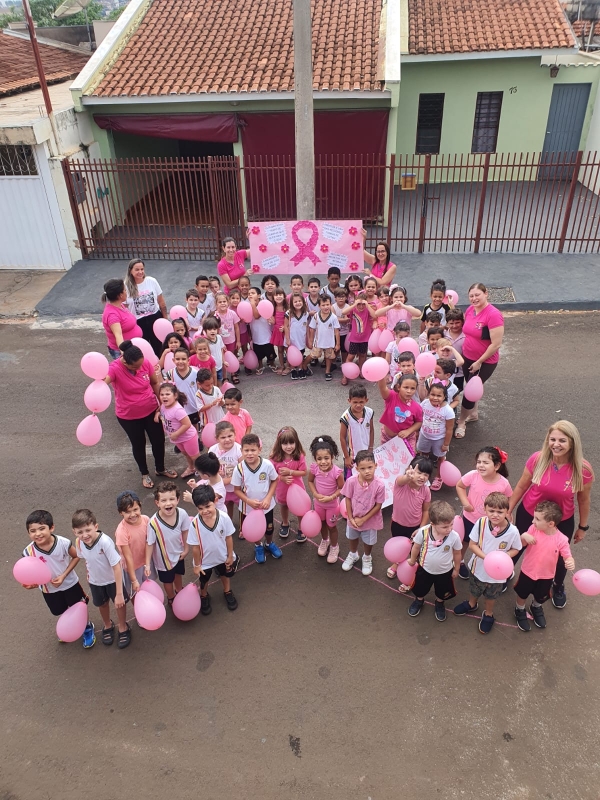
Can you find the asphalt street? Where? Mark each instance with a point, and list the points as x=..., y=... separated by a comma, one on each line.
x=319, y=685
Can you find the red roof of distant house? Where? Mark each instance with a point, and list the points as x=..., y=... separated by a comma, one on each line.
x=17, y=65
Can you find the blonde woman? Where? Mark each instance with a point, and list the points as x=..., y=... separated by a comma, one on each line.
x=560, y=473
x=145, y=301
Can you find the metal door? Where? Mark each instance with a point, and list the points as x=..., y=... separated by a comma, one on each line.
x=564, y=126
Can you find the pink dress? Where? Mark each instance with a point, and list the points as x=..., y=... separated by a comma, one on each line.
x=326, y=484
x=277, y=336
x=282, y=488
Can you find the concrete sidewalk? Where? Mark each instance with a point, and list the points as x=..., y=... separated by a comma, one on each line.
x=538, y=282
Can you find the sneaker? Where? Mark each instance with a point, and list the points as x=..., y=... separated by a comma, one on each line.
x=350, y=561
x=367, y=565
x=522, y=621
x=295, y=375
x=232, y=603
x=308, y=373
x=273, y=550
x=328, y=376
x=333, y=367
x=486, y=623
x=338, y=359
x=89, y=637
x=415, y=608
x=259, y=554
x=300, y=537
x=314, y=362
x=537, y=612
x=463, y=572
x=559, y=598
x=301, y=374
x=205, y=606
x=323, y=547
x=284, y=531
x=504, y=587
x=333, y=554
x=440, y=611
x=464, y=608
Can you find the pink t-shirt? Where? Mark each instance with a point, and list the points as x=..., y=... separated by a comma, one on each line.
x=362, y=499
x=228, y=322
x=474, y=345
x=299, y=465
x=134, y=396
x=378, y=269
x=235, y=270
x=172, y=419
x=540, y=559
x=555, y=485
x=326, y=482
x=398, y=415
x=240, y=422
x=129, y=327
x=134, y=537
x=210, y=364
x=360, y=325
x=408, y=504
x=478, y=490
x=396, y=315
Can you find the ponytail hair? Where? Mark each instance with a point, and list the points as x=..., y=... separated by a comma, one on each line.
x=180, y=396
x=131, y=352
x=112, y=289
x=439, y=285
x=324, y=443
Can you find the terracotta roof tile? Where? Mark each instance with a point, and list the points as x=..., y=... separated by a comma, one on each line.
x=466, y=26
x=17, y=65
x=244, y=46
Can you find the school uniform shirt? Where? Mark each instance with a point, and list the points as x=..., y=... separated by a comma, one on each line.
x=325, y=330
x=220, y=492
x=358, y=431
x=100, y=558
x=168, y=541
x=441, y=311
x=434, y=420
x=261, y=330
x=362, y=499
x=194, y=321
x=344, y=326
x=407, y=509
x=483, y=534
x=146, y=302
x=394, y=349
x=208, y=305
x=134, y=537
x=436, y=558
x=255, y=483
x=298, y=330
x=214, y=414
x=240, y=422
x=478, y=490
x=212, y=541
x=57, y=559
x=313, y=308
x=216, y=351
x=540, y=559
x=326, y=292
x=186, y=384
x=228, y=459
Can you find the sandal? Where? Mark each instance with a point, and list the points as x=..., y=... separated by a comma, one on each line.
x=404, y=588
x=260, y=371
x=234, y=379
x=391, y=573
x=147, y=482
x=276, y=370
x=108, y=634
x=473, y=417
x=167, y=473
x=460, y=432
x=286, y=371
x=188, y=473
x=124, y=639
x=437, y=485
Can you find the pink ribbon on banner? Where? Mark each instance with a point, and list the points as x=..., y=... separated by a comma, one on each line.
x=305, y=249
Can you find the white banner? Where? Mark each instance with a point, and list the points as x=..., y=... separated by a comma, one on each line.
x=392, y=459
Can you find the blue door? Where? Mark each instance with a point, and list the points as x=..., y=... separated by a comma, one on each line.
x=563, y=129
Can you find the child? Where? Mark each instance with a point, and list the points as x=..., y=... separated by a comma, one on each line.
x=194, y=314
x=243, y=286
x=278, y=332
x=398, y=310
x=254, y=481
x=455, y=319
x=166, y=539
x=215, y=286
x=437, y=296
x=370, y=295
x=433, y=336
x=59, y=555
x=180, y=327
x=235, y=298
x=130, y=538
x=325, y=481
x=357, y=431
x=209, y=398
x=312, y=301
x=333, y=282
x=353, y=286
x=210, y=328
x=171, y=344
x=296, y=286
x=360, y=330
x=436, y=549
x=295, y=333
x=395, y=350
x=402, y=416
x=288, y=459
x=260, y=330
x=410, y=509
x=202, y=359
x=184, y=377
x=324, y=335
x=442, y=373
x=210, y=538
x=209, y=469
x=105, y=576
x=177, y=425
x=229, y=453
x=432, y=320
x=206, y=299
x=544, y=543
x=240, y=419
x=436, y=431
x=268, y=285
x=339, y=309
x=380, y=318
x=492, y=532
x=230, y=326
x=364, y=497
x=490, y=475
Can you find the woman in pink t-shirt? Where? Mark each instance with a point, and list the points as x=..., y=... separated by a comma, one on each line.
x=483, y=331
x=380, y=265
x=119, y=323
x=557, y=472
x=231, y=266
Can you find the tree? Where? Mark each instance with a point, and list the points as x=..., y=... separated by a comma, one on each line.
x=116, y=13
x=42, y=10
x=12, y=17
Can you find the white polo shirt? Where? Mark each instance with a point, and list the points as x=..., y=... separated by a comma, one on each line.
x=358, y=430
x=298, y=330
x=439, y=557
x=212, y=541
x=57, y=559
x=325, y=330
x=168, y=540
x=481, y=534
x=187, y=385
x=100, y=558
x=254, y=483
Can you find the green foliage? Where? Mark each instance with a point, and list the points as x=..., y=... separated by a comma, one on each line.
x=41, y=11
x=12, y=17
x=116, y=13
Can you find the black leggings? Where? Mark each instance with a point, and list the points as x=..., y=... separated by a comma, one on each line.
x=524, y=519
x=146, y=324
x=136, y=430
x=486, y=371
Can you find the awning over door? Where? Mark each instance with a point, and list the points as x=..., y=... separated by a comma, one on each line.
x=193, y=127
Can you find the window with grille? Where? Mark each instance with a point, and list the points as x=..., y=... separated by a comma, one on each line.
x=17, y=159
x=429, y=123
x=487, y=122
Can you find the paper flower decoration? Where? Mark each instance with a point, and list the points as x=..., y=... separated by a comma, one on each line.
x=262, y=248
x=354, y=266
x=324, y=248
x=256, y=230
x=352, y=231
x=285, y=248
x=255, y=268
x=356, y=245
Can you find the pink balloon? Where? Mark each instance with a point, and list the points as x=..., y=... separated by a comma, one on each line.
x=350, y=370
x=311, y=524
x=347, y=344
x=178, y=312
x=473, y=390
x=425, y=364
x=208, y=434
x=343, y=511
x=169, y=361
x=374, y=369
x=374, y=342
x=71, y=623
x=149, y=612
x=587, y=581
x=265, y=309
x=449, y=473
x=162, y=328
x=459, y=526
x=97, y=397
x=30, y=570
x=298, y=500
x=250, y=359
x=186, y=605
x=397, y=549
x=405, y=573
x=294, y=356
x=245, y=311
x=89, y=431
x=231, y=361
x=254, y=525
x=154, y=589
x=385, y=337
x=408, y=344
x=226, y=385
x=95, y=366
x=452, y=296
x=498, y=565
x=146, y=349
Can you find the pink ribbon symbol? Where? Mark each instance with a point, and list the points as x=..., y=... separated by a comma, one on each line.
x=305, y=249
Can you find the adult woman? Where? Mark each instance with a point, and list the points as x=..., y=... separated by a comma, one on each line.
x=484, y=331
x=557, y=472
x=382, y=270
x=136, y=390
x=119, y=323
x=231, y=267
x=145, y=300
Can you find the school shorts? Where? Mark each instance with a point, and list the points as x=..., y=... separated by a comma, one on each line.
x=221, y=570
x=368, y=537
x=220, y=374
x=358, y=348
x=140, y=577
x=403, y=530
x=194, y=418
x=490, y=591
x=263, y=350
x=443, y=584
x=168, y=575
x=101, y=595
x=58, y=602
x=328, y=352
x=231, y=347
x=425, y=445
x=540, y=589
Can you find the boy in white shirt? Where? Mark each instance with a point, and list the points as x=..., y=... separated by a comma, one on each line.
x=206, y=298
x=193, y=311
x=210, y=327
x=166, y=539
x=324, y=335
x=209, y=398
x=211, y=539
x=357, y=431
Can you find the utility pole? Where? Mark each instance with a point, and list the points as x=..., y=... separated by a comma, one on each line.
x=303, y=111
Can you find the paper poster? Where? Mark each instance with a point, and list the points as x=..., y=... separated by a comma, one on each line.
x=392, y=459
x=306, y=247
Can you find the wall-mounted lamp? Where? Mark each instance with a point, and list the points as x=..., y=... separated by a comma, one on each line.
x=554, y=71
